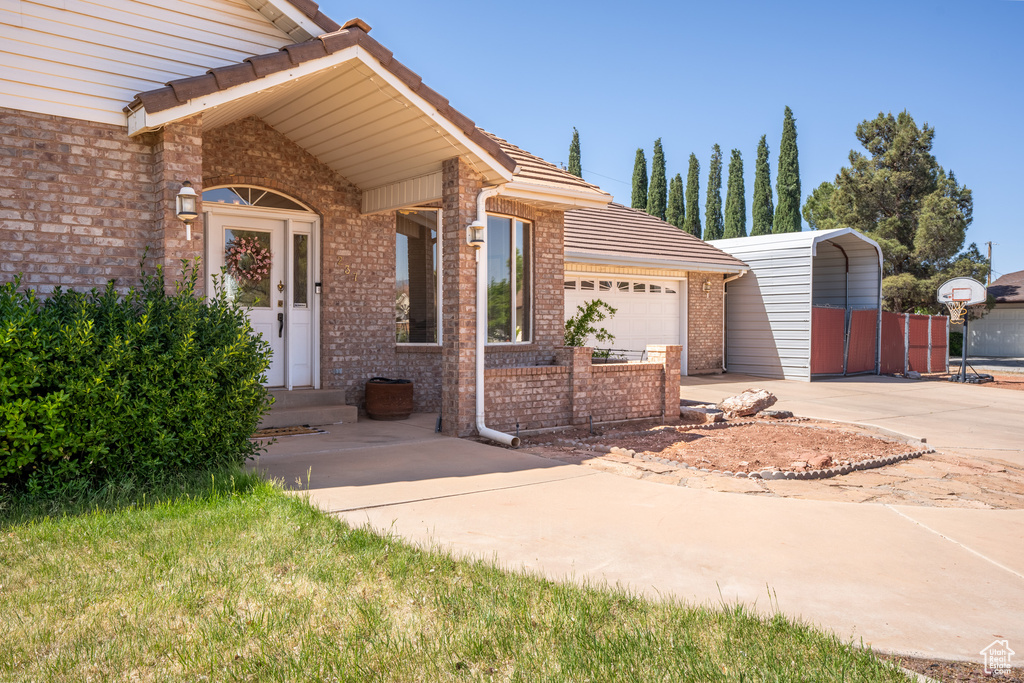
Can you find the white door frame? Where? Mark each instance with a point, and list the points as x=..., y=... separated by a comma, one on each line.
x=291, y=220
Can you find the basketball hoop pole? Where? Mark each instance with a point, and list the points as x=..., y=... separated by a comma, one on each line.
x=963, y=351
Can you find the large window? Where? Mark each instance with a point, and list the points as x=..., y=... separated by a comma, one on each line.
x=417, y=294
x=509, y=257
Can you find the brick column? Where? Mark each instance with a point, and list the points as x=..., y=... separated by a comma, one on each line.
x=460, y=186
x=177, y=157
x=581, y=373
x=670, y=356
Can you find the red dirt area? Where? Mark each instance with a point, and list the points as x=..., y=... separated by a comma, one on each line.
x=756, y=447
x=1009, y=381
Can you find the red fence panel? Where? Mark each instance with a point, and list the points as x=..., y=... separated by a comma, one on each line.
x=918, y=356
x=940, y=351
x=892, y=343
x=863, y=332
x=828, y=332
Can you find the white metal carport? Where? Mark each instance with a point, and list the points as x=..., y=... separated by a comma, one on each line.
x=800, y=296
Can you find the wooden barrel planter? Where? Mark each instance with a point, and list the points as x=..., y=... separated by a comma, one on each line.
x=388, y=399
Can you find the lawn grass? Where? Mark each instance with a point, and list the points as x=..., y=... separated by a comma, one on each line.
x=232, y=579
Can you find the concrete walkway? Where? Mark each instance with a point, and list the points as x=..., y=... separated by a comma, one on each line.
x=937, y=582
x=970, y=419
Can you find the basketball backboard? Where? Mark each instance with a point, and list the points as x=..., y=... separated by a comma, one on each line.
x=965, y=290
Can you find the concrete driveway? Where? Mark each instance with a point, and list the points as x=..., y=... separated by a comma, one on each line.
x=955, y=418
x=937, y=582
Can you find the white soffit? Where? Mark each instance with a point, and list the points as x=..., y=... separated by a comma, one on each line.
x=350, y=113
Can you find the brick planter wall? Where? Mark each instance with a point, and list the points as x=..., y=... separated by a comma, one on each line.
x=576, y=390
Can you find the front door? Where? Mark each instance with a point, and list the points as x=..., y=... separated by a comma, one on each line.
x=264, y=262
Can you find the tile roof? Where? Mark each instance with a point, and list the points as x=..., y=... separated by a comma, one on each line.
x=354, y=32
x=534, y=169
x=621, y=231
x=1009, y=289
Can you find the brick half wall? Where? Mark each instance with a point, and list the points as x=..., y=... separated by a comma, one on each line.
x=575, y=390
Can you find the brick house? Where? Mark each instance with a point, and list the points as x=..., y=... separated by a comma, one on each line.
x=667, y=286
x=352, y=183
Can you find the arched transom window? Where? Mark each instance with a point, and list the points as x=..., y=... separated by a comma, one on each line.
x=240, y=195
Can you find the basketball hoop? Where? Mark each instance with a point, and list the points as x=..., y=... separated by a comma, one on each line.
x=956, y=311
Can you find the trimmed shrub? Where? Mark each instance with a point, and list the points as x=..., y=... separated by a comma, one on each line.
x=96, y=386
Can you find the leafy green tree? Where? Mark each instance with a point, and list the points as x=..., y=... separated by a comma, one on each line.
x=658, y=189
x=580, y=326
x=735, y=199
x=691, y=221
x=764, y=207
x=640, y=181
x=817, y=209
x=575, y=167
x=713, y=227
x=898, y=195
x=676, y=211
x=787, y=182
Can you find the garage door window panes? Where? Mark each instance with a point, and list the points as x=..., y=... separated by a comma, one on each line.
x=509, y=295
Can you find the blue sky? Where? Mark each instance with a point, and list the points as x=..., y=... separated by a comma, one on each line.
x=695, y=74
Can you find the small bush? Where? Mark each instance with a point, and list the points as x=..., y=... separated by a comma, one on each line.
x=98, y=386
x=581, y=325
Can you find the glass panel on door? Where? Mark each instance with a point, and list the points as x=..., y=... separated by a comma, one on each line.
x=300, y=271
x=247, y=260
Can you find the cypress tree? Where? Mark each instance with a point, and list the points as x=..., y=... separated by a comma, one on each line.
x=787, y=182
x=575, y=167
x=658, y=189
x=735, y=200
x=676, y=210
x=691, y=221
x=713, y=209
x=763, y=209
x=640, y=181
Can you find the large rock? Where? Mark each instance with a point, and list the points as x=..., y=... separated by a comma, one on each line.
x=750, y=402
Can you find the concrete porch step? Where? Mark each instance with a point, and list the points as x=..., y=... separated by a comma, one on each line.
x=308, y=407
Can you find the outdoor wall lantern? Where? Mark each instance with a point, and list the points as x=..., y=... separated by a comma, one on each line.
x=185, y=203
x=475, y=234
x=707, y=287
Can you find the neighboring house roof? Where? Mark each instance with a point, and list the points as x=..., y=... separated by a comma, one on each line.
x=619, y=235
x=1009, y=289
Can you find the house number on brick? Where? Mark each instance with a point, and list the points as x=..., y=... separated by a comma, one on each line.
x=348, y=270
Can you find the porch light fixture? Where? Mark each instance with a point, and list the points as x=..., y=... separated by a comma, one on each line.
x=185, y=203
x=707, y=287
x=475, y=234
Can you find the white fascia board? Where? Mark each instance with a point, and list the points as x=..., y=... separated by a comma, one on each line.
x=297, y=16
x=647, y=262
x=566, y=198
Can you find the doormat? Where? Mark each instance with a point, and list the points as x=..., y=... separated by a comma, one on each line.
x=275, y=432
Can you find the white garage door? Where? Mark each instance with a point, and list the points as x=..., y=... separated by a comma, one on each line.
x=648, y=310
x=999, y=333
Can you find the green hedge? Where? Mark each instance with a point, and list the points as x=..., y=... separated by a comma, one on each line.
x=102, y=385
x=956, y=343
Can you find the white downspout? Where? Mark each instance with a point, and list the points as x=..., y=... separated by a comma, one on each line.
x=726, y=281
x=480, y=227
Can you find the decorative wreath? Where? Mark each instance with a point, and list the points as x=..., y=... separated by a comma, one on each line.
x=247, y=259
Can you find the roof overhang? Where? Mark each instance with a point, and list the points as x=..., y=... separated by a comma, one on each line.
x=349, y=111
x=848, y=238
x=608, y=259
x=559, y=198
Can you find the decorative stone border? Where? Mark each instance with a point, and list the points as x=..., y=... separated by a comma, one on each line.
x=828, y=473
